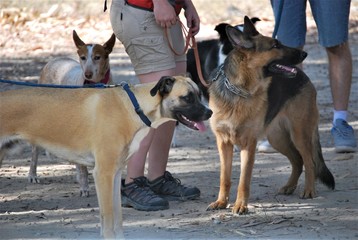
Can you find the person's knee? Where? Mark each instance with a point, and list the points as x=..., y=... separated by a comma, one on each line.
x=338, y=49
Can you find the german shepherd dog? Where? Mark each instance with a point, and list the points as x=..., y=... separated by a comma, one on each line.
x=257, y=93
x=212, y=53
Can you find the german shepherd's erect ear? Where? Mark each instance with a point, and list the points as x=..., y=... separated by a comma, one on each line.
x=164, y=86
x=242, y=39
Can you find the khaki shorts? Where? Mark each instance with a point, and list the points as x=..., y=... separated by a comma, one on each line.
x=144, y=40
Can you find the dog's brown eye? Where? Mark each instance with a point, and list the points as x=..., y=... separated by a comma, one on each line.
x=96, y=58
x=189, y=98
x=83, y=58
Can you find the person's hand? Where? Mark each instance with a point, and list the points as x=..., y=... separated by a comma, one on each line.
x=192, y=18
x=164, y=13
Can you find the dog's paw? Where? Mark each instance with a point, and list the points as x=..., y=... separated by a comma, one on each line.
x=308, y=193
x=287, y=190
x=217, y=205
x=33, y=179
x=240, y=209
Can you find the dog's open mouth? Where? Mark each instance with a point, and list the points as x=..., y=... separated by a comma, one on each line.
x=200, y=126
x=288, y=71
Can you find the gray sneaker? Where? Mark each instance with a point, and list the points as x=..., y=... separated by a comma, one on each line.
x=343, y=137
x=138, y=195
x=171, y=189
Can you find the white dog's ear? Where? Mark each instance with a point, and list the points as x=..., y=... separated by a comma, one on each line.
x=77, y=40
x=110, y=44
x=164, y=86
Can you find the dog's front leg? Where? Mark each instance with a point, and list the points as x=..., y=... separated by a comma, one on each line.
x=243, y=192
x=226, y=154
x=118, y=217
x=106, y=175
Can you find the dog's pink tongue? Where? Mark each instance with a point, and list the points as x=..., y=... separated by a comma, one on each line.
x=201, y=126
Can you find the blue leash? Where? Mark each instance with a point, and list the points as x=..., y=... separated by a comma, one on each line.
x=135, y=103
x=28, y=84
x=124, y=85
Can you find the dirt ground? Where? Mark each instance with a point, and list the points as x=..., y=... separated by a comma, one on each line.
x=53, y=209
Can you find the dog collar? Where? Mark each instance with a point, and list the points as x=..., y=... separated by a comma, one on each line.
x=135, y=103
x=231, y=87
x=105, y=80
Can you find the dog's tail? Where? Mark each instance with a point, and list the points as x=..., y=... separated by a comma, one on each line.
x=321, y=170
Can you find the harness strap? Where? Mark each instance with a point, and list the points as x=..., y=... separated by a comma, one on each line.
x=135, y=103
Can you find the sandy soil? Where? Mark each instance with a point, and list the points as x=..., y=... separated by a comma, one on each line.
x=54, y=209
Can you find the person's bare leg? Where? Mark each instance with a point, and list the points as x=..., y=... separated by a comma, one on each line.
x=159, y=150
x=136, y=164
x=340, y=75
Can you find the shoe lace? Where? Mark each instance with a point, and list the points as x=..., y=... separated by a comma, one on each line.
x=141, y=182
x=168, y=177
x=141, y=189
x=171, y=185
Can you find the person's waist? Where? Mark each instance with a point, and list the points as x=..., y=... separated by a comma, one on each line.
x=148, y=4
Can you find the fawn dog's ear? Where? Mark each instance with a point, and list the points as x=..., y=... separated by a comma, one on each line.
x=164, y=86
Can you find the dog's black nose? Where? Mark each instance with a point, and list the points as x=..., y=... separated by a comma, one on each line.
x=303, y=54
x=209, y=113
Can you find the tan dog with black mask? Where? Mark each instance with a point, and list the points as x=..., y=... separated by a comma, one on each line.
x=99, y=127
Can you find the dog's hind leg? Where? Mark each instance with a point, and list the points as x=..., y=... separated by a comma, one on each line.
x=299, y=150
x=32, y=177
x=82, y=179
x=281, y=141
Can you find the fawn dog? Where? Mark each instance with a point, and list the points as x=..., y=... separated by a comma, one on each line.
x=257, y=92
x=93, y=67
x=99, y=127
